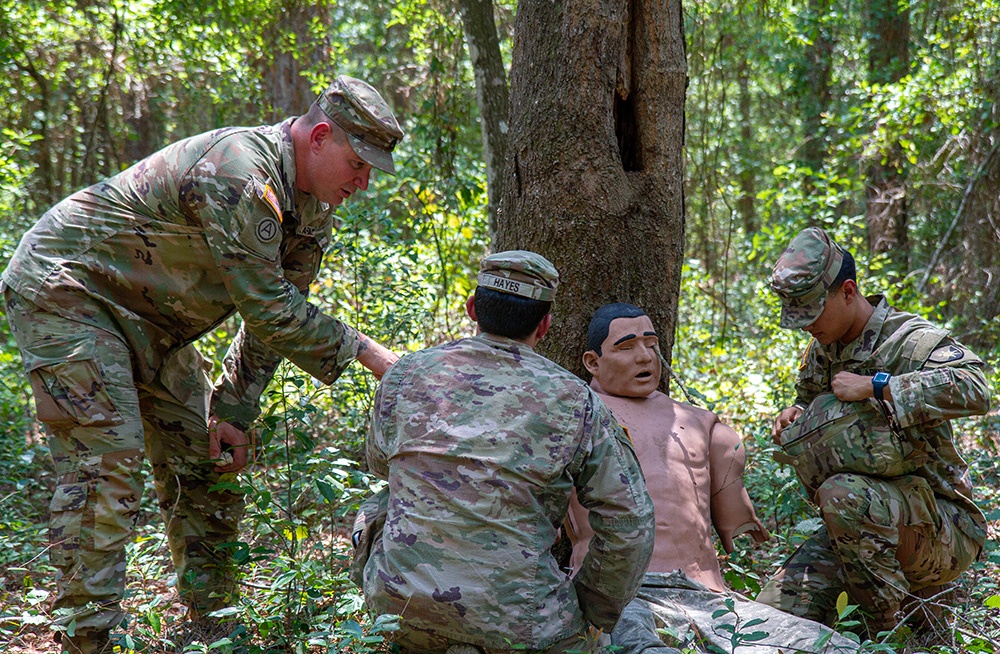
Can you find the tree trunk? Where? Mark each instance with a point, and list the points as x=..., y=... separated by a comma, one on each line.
x=888, y=61
x=295, y=48
x=594, y=171
x=814, y=87
x=748, y=160
x=492, y=95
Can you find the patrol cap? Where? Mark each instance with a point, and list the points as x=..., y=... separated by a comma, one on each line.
x=519, y=272
x=803, y=275
x=360, y=111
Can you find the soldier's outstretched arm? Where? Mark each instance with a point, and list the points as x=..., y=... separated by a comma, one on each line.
x=374, y=356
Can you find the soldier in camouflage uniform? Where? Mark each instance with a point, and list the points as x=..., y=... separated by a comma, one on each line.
x=482, y=442
x=108, y=291
x=886, y=540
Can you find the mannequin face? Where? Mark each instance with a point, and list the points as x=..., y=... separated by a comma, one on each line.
x=629, y=364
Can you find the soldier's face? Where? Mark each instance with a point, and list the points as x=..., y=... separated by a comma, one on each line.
x=629, y=365
x=835, y=321
x=336, y=171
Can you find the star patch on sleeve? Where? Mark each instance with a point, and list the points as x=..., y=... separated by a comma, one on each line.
x=947, y=354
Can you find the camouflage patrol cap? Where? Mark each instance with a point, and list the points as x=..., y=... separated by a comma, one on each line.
x=361, y=112
x=803, y=275
x=520, y=272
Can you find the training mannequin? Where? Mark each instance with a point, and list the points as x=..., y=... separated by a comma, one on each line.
x=698, y=459
x=693, y=465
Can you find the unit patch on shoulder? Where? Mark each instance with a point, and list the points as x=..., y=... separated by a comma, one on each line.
x=947, y=354
x=267, y=230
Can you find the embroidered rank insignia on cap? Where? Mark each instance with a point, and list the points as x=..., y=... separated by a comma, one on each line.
x=947, y=354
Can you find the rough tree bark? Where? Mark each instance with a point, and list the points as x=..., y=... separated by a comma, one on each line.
x=888, y=61
x=594, y=170
x=492, y=94
x=295, y=46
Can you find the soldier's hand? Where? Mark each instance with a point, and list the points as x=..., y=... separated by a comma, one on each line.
x=785, y=418
x=849, y=387
x=235, y=456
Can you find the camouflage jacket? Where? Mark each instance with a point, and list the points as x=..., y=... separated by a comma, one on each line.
x=169, y=248
x=482, y=441
x=934, y=379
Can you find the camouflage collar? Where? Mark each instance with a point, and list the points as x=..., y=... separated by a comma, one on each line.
x=861, y=348
x=284, y=129
x=503, y=342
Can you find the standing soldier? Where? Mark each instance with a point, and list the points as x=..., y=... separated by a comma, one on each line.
x=482, y=442
x=895, y=381
x=106, y=295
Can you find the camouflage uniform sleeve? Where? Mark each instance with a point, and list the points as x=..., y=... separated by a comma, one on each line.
x=951, y=384
x=383, y=419
x=245, y=238
x=813, y=378
x=249, y=364
x=610, y=484
x=247, y=369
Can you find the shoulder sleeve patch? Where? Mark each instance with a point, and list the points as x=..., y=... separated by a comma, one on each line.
x=805, y=354
x=256, y=228
x=265, y=192
x=947, y=354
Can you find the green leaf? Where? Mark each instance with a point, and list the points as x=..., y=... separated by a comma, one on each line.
x=841, y=604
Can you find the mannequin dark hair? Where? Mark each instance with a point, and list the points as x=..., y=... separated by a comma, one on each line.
x=600, y=322
x=508, y=315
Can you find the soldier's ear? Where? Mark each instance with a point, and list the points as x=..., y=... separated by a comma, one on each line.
x=318, y=135
x=850, y=290
x=591, y=362
x=470, y=307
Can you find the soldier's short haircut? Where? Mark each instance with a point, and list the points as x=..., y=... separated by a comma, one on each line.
x=316, y=115
x=847, y=271
x=600, y=322
x=508, y=315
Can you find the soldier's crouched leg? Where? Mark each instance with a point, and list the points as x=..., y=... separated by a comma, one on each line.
x=932, y=557
x=865, y=517
x=81, y=379
x=199, y=521
x=809, y=582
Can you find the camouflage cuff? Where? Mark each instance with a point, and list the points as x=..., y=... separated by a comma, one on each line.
x=237, y=415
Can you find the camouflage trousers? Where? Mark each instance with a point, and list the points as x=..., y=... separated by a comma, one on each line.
x=418, y=641
x=100, y=423
x=883, y=541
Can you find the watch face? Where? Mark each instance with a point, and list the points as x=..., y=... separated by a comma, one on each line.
x=881, y=378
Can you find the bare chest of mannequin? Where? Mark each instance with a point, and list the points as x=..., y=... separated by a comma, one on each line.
x=673, y=444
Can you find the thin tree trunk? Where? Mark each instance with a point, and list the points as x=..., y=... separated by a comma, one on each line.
x=888, y=60
x=814, y=88
x=492, y=94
